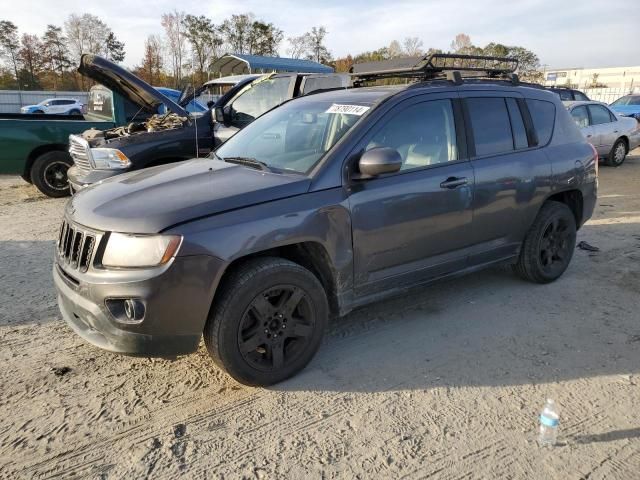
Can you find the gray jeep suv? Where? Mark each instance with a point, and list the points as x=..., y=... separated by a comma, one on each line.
x=329, y=202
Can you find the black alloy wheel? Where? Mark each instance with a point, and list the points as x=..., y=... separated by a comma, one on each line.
x=276, y=327
x=267, y=320
x=549, y=244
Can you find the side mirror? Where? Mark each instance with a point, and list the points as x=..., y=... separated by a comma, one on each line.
x=379, y=160
x=219, y=115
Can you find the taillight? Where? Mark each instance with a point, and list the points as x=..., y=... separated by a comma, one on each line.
x=596, y=157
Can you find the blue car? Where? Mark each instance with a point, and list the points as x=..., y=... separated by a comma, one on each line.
x=627, y=106
x=192, y=107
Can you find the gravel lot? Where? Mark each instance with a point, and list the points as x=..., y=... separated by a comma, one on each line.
x=446, y=382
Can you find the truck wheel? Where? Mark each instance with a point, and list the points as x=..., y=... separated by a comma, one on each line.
x=267, y=321
x=49, y=173
x=548, y=247
x=617, y=154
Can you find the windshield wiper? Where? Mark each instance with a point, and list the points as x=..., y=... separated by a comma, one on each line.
x=249, y=162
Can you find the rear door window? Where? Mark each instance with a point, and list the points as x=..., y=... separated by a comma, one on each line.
x=599, y=115
x=491, y=125
x=580, y=116
x=543, y=114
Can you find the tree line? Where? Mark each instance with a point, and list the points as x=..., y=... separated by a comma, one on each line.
x=48, y=62
x=188, y=45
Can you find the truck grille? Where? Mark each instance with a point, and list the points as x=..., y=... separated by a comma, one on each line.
x=76, y=246
x=80, y=152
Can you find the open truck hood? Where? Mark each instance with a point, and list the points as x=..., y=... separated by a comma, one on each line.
x=126, y=84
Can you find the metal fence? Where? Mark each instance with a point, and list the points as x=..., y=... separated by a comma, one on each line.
x=12, y=100
x=609, y=95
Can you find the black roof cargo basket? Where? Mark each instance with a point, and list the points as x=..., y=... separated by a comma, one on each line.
x=444, y=65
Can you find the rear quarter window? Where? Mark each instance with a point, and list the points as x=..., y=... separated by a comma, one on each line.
x=543, y=115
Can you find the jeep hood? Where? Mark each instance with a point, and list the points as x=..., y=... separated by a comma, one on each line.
x=126, y=84
x=154, y=199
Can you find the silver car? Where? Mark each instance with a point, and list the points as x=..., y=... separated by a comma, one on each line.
x=612, y=135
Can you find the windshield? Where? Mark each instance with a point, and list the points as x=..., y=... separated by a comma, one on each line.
x=628, y=100
x=294, y=136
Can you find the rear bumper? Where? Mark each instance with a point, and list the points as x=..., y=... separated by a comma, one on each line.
x=79, y=180
x=177, y=303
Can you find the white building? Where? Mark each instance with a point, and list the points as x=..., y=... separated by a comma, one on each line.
x=623, y=78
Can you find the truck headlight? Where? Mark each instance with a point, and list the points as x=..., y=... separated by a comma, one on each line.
x=109, y=159
x=127, y=250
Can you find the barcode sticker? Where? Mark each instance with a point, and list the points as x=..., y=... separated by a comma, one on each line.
x=348, y=109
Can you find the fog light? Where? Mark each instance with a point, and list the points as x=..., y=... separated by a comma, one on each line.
x=134, y=310
x=126, y=310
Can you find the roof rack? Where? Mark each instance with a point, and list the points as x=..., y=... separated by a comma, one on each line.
x=449, y=66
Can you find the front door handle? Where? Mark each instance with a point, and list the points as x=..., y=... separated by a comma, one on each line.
x=454, y=182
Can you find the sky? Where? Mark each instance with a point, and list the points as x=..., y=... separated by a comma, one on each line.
x=563, y=33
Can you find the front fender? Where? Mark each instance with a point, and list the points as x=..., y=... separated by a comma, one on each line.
x=322, y=217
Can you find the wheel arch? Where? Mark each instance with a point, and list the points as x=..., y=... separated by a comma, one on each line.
x=572, y=199
x=311, y=255
x=625, y=139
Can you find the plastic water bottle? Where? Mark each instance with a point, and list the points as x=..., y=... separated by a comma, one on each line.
x=549, y=421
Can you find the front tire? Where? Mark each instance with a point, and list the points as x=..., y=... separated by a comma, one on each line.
x=618, y=154
x=49, y=173
x=548, y=247
x=267, y=321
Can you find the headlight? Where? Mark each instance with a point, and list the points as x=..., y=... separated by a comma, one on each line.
x=126, y=250
x=109, y=159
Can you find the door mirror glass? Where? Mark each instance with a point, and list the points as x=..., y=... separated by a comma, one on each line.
x=378, y=161
x=220, y=115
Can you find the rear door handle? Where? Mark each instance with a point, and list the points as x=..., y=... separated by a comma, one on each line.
x=454, y=182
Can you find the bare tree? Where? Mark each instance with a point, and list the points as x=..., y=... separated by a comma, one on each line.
x=412, y=47
x=395, y=49
x=318, y=51
x=86, y=33
x=461, y=44
x=298, y=46
x=176, y=41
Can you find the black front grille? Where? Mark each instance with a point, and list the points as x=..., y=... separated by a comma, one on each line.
x=76, y=246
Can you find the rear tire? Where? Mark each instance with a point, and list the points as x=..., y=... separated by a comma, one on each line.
x=548, y=247
x=267, y=321
x=618, y=154
x=75, y=112
x=49, y=173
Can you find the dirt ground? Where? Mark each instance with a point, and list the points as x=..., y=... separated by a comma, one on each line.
x=443, y=383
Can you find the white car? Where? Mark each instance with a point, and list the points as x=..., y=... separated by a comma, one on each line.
x=59, y=106
x=613, y=136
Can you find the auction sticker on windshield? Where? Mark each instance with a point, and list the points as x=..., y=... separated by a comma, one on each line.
x=348, y=109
